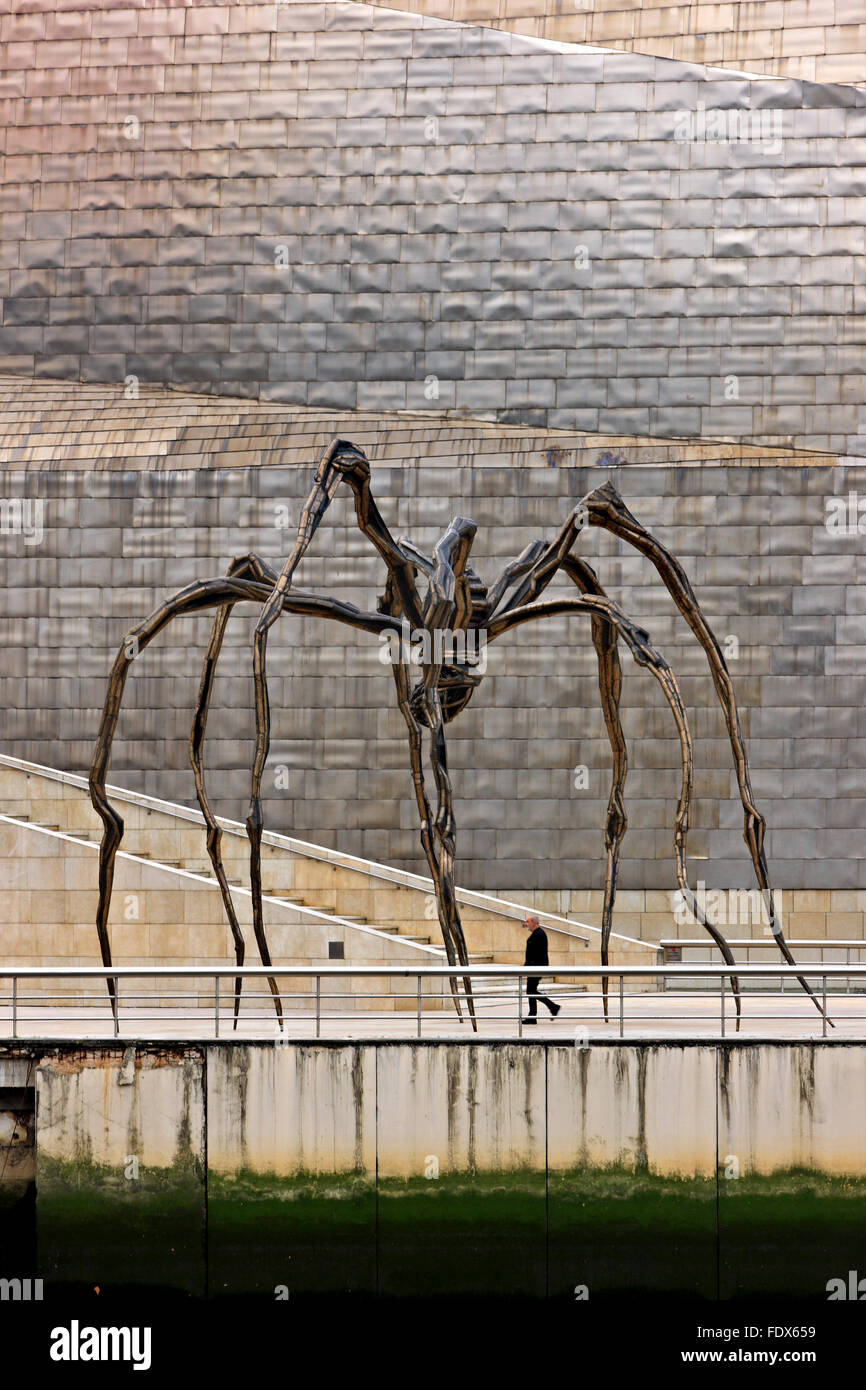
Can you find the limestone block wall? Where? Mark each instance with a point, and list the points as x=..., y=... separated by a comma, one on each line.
x=822, y=40
x=166, y=909
x=49, y=897
x=47, y=918
x=343, y=205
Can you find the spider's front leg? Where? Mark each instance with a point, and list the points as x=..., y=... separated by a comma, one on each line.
x=195, y=597
x=448, y=596
x=644, y=654
x=339, y=460
x=606, y=509
x=446, y=904
x=449, y=606
x=445, y=828
x=532, y=572
x=249, y=580
x=610, y=690
x=246, y=566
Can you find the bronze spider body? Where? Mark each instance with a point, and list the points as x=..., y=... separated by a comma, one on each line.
x=454, y=603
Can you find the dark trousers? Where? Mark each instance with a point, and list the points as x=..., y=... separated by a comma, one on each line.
x=533, y=996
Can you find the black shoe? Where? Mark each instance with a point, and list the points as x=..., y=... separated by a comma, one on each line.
x=554, y=1010
x=524, y=1021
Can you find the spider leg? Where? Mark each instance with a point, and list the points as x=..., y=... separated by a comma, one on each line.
x=606, y=509
x=400, y=565
x=448, y=603
x=449, y=606
x=189, y=600
x=401, y=681
x=644, y=654
x=336, y=458
x=340, y=460
x=536, y=567
x=444, y=827
x=196, y=597
x=245, y=566
x=526, y=560
x=255, y=825
x=610, y=689
x=344, y=460
x=280, y=599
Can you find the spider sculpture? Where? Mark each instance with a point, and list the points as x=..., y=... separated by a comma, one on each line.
x=455, y=603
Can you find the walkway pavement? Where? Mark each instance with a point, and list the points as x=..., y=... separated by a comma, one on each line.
x=647, y=1016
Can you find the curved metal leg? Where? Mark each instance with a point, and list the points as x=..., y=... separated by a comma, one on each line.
x=644, y=654
x=197, y=597
x=245, y=566
x=610, y=690
x=269, y=615
x=444, y=828
x=607, y=510
x=428, y=842
x=189, y=600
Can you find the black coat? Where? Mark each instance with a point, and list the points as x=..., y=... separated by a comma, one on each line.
x=536, y=948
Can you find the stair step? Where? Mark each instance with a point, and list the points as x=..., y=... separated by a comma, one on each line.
x=298, y=900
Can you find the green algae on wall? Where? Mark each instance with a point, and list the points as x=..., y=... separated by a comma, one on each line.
x=463, y=1234
x=102, y=1225
x=789, y=1233
x=308, y=1233
x=619, y=1230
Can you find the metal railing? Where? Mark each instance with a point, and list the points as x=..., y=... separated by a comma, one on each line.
x=346, y=1001
x=808, y=952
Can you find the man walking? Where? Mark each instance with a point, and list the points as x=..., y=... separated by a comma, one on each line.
x=536, y=954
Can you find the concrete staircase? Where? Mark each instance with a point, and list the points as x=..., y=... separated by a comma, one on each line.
x=315, y=898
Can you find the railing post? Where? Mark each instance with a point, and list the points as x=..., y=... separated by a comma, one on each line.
x=216, y=1006
x=848, y=977
x=520, y=1006
x=116, y=1008
x=419, y=1006
x=15, y=1006
x=622, y=1006
x=824, y=1007
x=722, y=1001
x=318, y=1005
